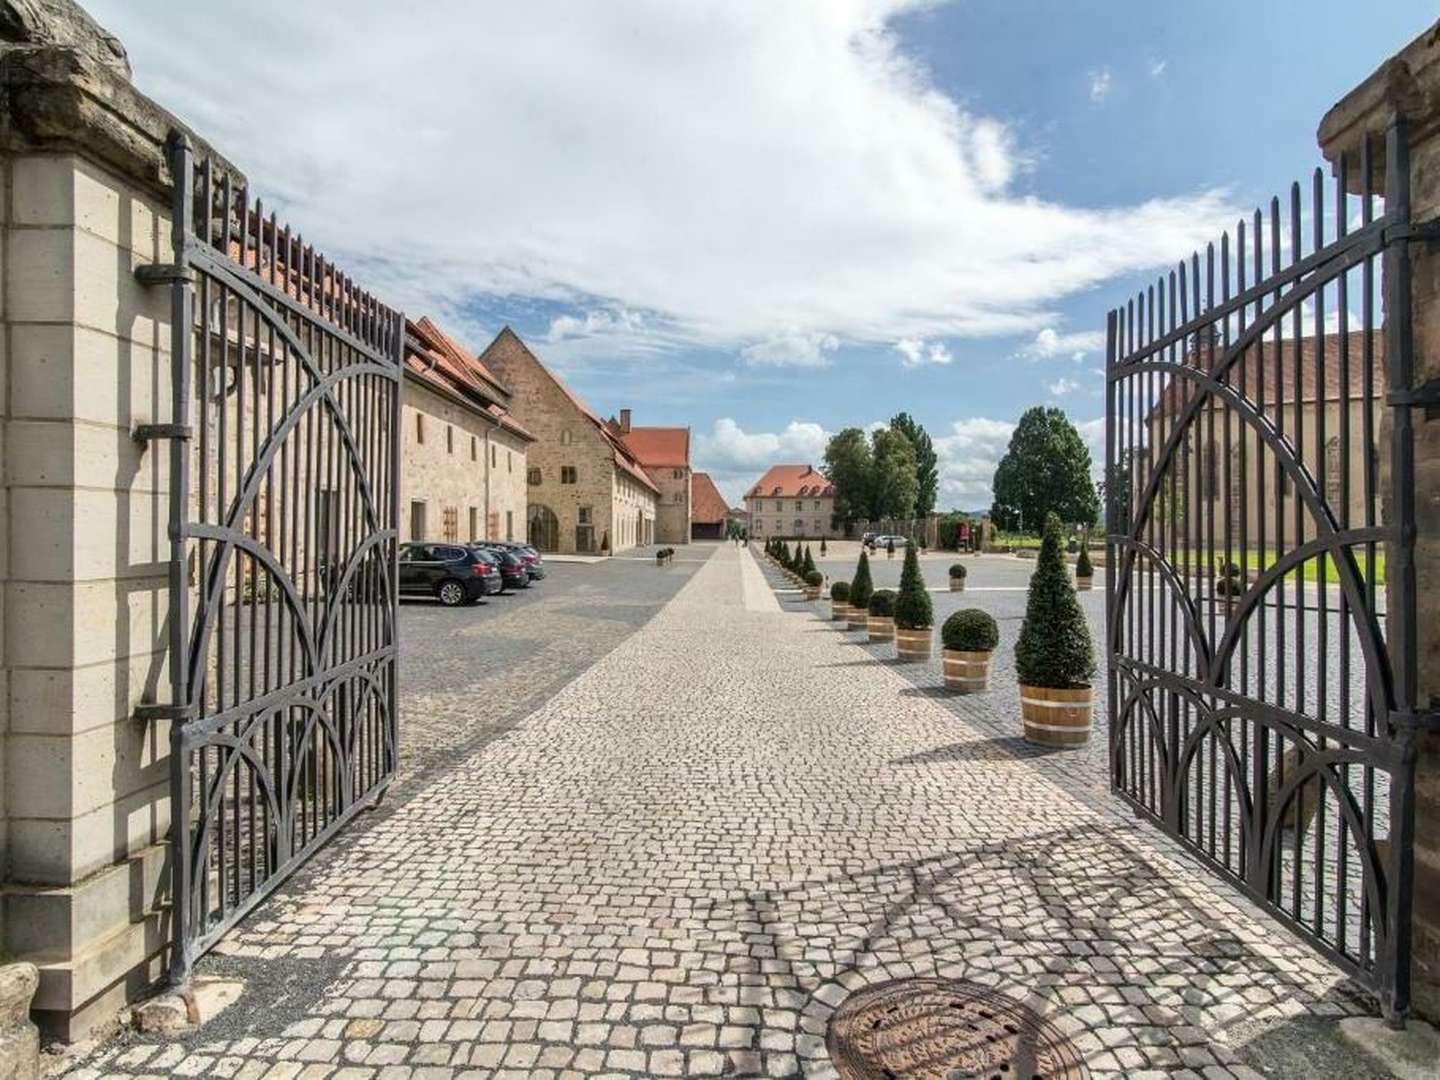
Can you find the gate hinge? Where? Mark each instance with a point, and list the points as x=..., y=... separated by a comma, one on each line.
x=163, y=273
x=1427, y=232
x=147, y=432
x=1427, y=720
x=148, y=711
x=1426, y=395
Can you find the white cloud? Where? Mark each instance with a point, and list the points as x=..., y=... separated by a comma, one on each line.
x=1157, y=68
x=967, y=455
x=1062, y=386
x=916, y=353
x=696, y=162
x=1049, y=342
x=794, y=348
x=1099, y=84
x=735, y=458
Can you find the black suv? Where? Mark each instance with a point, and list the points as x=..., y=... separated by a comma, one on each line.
x=452, y=573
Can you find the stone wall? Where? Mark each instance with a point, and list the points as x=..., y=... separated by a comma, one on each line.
x=672, y=508
x=85, y=597
x=465, y=463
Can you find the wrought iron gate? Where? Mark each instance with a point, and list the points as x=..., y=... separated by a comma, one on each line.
x=284, y=501
x=1258, y=495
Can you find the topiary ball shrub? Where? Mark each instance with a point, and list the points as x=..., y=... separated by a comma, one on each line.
x=1083, y=566
x=912, y=605
x=970, y=630
x=957, y=570
x=882, y=603
x=840, y=592
x=1053, y=650
x=814, y=578
x=1229, y=586
x=860, y=586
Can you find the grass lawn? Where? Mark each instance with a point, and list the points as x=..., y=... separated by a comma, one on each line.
x=1257, y=561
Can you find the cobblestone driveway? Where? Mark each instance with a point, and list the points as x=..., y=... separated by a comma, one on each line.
x=688, y=856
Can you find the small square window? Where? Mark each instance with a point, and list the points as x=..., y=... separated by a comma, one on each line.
x=567, y=474
x=533, y=475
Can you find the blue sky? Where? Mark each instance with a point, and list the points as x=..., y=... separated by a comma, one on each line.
x=768, y=221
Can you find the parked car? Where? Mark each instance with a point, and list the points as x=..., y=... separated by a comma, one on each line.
x=879, y=542
x=514, y=572
x=534, y=563
x=452, y=573
x=867, y=539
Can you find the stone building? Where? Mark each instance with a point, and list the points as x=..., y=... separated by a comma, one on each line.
x=792, y=501
x=710, y=514
x=463, y=456
x=588, y=494
x=1236, y=472
x=664, y=454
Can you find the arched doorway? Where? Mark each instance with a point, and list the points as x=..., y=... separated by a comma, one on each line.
x=543, y=528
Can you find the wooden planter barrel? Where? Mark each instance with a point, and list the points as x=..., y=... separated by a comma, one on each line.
x=881, y=627
x=839, y=610
x=1083, y=583
x=812, y=592
x=1057, y=717
x=856, y=617
x=913, y=646
x=957, y=584
x=966, y=672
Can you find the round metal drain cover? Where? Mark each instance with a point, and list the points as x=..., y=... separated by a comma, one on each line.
x=945, y=1030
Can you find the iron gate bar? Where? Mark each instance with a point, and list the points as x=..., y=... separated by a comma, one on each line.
x=296, y=691
x=1232, y=718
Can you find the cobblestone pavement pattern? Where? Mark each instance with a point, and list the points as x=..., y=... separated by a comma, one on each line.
x=686, y=858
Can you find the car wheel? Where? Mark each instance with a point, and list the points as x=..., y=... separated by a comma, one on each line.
x=451, y=593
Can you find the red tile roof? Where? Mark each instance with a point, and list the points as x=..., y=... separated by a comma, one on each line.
x=792, y=481
x=1255, y=372
x=435, y=358
x=707, y=505
x=658, y=447
x=624, y=460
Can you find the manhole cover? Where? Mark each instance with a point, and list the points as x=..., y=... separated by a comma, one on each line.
x=936, y=1028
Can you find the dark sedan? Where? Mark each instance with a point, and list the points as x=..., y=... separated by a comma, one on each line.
x=534, y=564
x=513, y=570
x=452, y=573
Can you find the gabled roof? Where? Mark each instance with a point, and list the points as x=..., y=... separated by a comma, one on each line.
x=707, y=505
x=792, y=481
x=436, y=360
x=1256, y=373
x=624, y=460
x=658, y=447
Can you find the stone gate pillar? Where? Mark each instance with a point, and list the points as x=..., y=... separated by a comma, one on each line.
x=84, y=358
x=1407, y=86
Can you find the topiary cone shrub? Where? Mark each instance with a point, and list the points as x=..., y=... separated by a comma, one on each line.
x=914, y=615
x=860, y=590
x=880, y=617
x=822, y=547
x=969, y=638
x=958, y=574
x=813, y=581
x=808, y=565
x=1054, y=659
x=1084, y=570
x=839, y=601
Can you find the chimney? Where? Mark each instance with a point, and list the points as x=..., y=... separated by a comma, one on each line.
x=806, y=472
x=624, y=421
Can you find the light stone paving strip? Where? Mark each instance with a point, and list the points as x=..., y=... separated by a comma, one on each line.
x=690, y=855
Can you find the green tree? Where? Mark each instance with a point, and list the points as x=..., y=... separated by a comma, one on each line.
x=912, y=606
x=1045, y=470
x=860, y=586
x=927, y=465
x=893, y=482
x=848, y=467
x=807, y=564
x=1053, y=649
